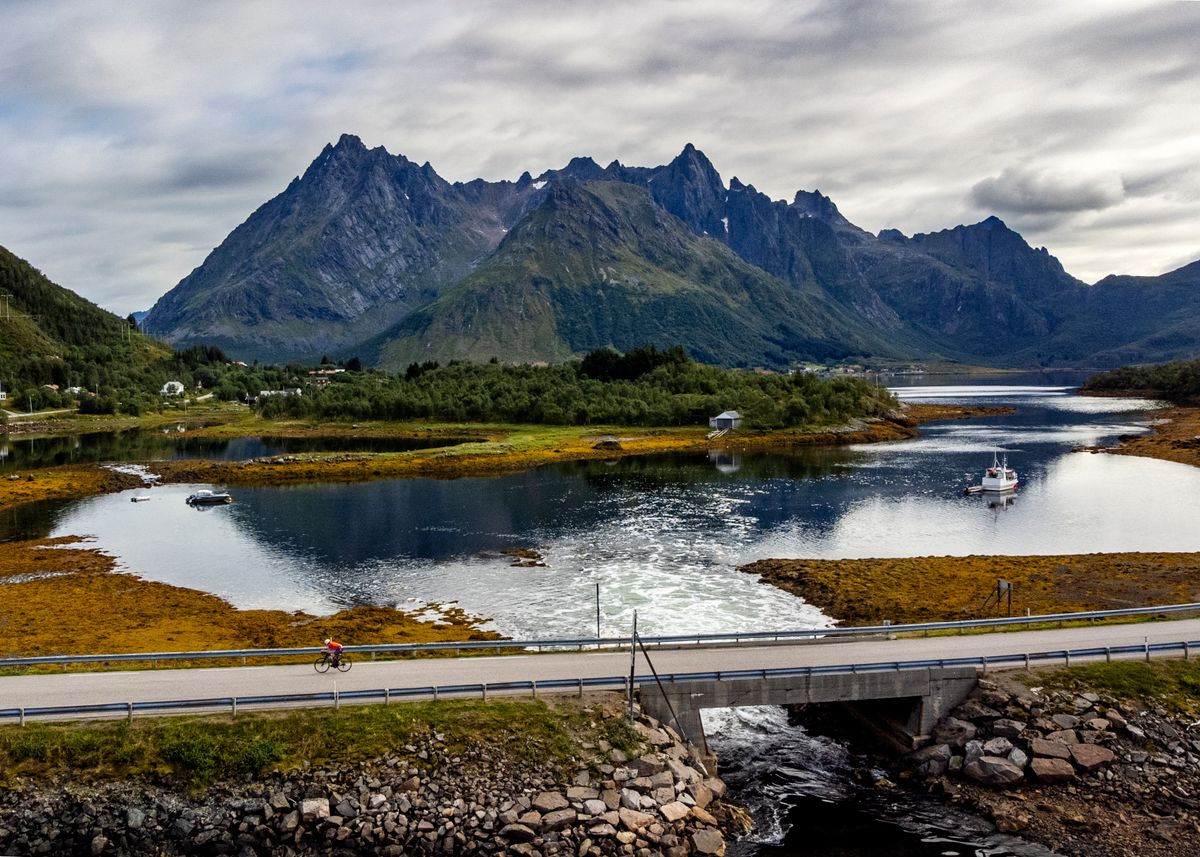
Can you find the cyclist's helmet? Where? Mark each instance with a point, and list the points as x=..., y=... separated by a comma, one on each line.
x=328, y=641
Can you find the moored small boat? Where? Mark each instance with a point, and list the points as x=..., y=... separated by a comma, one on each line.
x=205, y=497
x=999, y=477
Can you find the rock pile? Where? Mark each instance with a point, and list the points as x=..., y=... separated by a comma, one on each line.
x=1000, y=738
x=476, y=803
x=1085, y=773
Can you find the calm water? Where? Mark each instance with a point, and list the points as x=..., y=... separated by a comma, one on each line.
x=140, y=445
x=662, y=535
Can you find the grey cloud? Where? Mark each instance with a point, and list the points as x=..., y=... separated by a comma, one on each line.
x=137, y=134
x=1022, y=191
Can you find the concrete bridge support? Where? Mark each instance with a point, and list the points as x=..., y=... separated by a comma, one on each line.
x=901, y=705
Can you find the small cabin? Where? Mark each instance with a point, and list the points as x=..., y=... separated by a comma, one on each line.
x=726, y=421
x=171, y=388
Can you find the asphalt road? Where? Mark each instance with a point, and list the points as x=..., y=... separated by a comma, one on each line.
x=176, y=684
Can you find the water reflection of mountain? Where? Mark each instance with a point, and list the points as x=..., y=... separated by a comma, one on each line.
x=157, y=445
x=429, y=519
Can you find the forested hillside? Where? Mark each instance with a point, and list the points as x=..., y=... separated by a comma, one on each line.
x=645, y=387
x=1178, y=381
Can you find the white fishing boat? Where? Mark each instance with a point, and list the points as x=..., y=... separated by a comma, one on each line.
x=999, y=477
x=205, y=497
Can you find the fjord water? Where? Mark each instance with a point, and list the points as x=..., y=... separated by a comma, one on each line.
x=664, y=534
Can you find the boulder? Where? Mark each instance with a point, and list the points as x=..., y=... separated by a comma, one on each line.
x=931, y=761
x=595, y=806
x=1063, y=736
x=701, y=793
x=674, y=811
x=952, y=731
x=1049, y=749
x=1051, y=770
x=997, y=747
x=716, y=786
x=517, y=833
x=648, y=765
x=1065, y=721
x=973, y=751
x=550, y=801
x=1098, y=724
x=683, y=772
x=974, y=710
x=634, y=820
x=1018, y=757
x=558, y=819
x=313, y=808
x=993, y=771
x=582, y=793
x=1090, y=757
x=708, y=841
x=1007, y=728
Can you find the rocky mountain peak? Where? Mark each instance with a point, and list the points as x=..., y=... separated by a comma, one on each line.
x=691, y=188
x=350, y=142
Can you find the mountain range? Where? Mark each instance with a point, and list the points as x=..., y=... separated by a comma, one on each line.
x=370, y=254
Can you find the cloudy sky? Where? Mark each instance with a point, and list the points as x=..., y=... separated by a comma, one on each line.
x=135, y=135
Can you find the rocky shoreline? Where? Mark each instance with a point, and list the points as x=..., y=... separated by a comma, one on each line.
x=475, y=802
x=1085, y=774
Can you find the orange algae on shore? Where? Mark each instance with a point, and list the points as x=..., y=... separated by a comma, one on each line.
x=1176, y=437
x=926, y=589
x=79, y=480
x=71, y=600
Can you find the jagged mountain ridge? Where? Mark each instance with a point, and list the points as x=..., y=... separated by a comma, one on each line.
x=640, y=275
x=359, y=240
x=367, y=252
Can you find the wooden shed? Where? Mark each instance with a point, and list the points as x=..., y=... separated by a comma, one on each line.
x=726, y=421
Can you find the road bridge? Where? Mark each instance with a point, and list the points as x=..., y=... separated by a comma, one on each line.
x=906, y=682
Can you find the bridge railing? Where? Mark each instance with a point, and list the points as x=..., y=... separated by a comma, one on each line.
x=577, y=643
x=508, y=688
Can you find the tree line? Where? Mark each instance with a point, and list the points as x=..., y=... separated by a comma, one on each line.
x=1178, y=381
x=645, y=387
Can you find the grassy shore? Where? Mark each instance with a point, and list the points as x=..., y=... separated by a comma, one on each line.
x=43, y=584
x=196, y=751
x=926, y=589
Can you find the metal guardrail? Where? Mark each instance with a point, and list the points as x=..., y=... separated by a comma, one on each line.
x=386, y=695
x=578, y=643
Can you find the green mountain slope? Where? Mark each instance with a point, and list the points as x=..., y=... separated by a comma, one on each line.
x=602, y=264
x=50, y=335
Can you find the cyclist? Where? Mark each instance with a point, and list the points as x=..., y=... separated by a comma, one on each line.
x=334, y=649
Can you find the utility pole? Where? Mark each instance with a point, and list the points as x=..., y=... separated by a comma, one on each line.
x=7, y=311
x=632, y=663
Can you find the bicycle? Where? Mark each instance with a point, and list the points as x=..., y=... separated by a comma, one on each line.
x=324, y=662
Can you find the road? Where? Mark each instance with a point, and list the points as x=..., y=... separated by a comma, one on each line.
x=175, y=684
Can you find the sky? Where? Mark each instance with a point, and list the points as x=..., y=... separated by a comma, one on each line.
x=135, y=135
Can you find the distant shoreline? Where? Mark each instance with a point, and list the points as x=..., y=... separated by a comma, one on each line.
x=498, y=450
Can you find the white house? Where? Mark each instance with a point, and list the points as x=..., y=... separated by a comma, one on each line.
x=727, y=420
x=171, y=388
